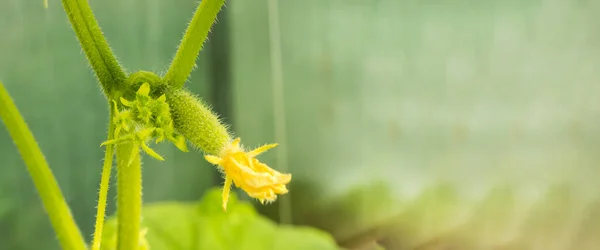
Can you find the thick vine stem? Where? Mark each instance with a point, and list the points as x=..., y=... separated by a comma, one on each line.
x=185, y=59
x=129, y=195
x=67, y=232
x=108, y=70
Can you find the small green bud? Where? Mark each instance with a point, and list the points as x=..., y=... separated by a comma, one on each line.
x=196, y=122
x=145, y=118
x=137, y=80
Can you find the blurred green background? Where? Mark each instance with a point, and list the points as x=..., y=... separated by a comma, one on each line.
x=382, y=98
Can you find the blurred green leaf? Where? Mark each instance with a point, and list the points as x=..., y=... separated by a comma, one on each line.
x=204, y=225
x=493, y=219
x=430, y=215
x=586, y=237
x=549, y=224
x=353, y=218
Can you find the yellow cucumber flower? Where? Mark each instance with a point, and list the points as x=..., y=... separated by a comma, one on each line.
x=246, y=172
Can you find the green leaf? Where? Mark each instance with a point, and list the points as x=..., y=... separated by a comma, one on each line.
x=432, y=213
x=492, y=220
x=204, y=225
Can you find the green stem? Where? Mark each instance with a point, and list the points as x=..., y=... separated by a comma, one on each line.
x=129, y=195
x=104, y=183
x=108, y=70
x=195, y=35
x=67, y=232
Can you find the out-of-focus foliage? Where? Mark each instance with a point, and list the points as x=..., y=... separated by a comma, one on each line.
x=357, y=210
x=204, y=225
x=475, y=92
x=390, y=89
x=442, y=218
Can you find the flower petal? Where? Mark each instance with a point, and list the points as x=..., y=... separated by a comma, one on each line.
x=213, y=159
x=261, y=149
x=225, y=194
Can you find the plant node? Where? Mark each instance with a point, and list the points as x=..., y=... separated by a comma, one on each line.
x=145, y=118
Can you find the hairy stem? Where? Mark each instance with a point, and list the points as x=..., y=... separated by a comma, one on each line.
x=108, y=70
x=67, y=232
x=129, y=195
x=191, y=44
x=104, y=183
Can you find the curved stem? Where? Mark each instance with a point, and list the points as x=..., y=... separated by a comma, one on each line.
x=104, y=183
x=191, y=44
x=67, y=232
x=129, y=195
x=108, y=70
